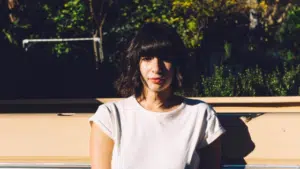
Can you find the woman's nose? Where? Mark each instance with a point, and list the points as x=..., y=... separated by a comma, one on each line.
x=157, y=65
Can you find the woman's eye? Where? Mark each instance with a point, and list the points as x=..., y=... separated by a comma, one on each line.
x=147, y=58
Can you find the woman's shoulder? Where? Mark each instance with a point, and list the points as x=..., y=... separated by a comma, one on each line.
x=199, y=106
x=196, y=102
x=117, y=103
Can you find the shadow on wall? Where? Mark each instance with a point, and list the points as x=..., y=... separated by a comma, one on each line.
x=236, y=142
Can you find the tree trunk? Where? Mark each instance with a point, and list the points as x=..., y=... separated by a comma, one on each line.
x=96, y=49
x=11, y=4
x=101, y=54
x=99, y=9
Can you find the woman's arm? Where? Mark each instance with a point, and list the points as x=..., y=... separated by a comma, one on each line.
x=101, y=148
x=210, y=156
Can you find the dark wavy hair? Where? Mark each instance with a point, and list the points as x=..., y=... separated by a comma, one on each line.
x=153, y=39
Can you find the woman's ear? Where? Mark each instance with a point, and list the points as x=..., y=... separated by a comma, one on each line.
x=179, y=77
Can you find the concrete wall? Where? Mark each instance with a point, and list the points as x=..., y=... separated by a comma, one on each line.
x=271, y=138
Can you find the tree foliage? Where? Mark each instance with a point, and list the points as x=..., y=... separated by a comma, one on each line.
x=250, y=37
x=190, y=17
x=287, y=36
x=53, y=19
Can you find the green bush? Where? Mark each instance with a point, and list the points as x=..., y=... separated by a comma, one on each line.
x=250, y=82
x=284, y=83
x=219, y=84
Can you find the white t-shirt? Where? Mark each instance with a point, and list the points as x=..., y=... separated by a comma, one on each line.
x=157, y=140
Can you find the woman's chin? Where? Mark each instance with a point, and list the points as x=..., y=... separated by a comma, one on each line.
x=158, y=88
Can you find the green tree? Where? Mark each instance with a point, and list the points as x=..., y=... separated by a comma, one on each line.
x=100, y=9
x=287, y=36
x=51, y=19
x=71, y=19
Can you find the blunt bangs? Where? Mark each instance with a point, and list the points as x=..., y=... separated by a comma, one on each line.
x=158, y=40
x=157, y=47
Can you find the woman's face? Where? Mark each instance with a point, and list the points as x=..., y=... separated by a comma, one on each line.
x=156, y=72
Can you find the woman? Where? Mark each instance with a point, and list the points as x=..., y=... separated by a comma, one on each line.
x=153, y=128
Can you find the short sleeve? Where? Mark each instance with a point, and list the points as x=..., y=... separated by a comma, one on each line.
x=213, y=128
x=103, y=118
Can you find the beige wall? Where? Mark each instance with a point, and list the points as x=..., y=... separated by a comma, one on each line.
x=44, y=135
x=269, y=138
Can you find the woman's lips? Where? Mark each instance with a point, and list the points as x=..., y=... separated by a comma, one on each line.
x=156, y=80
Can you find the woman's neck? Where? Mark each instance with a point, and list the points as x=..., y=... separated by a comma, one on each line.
x=158, y=101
